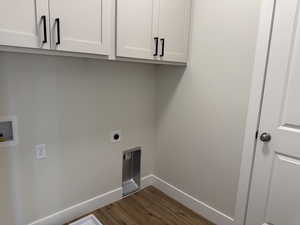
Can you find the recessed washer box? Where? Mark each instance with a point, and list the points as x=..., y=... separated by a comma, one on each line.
x=131, y=178
x=88, y=220
x=8, y=131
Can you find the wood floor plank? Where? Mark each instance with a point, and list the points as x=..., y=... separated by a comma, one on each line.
x=117, y=212
x=105, y=218
x=149, y=206
x=154, y=206
x=177, y=210
x=180, y=210
x=142, y=215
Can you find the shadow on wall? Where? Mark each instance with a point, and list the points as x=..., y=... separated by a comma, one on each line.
x=71, y=105
x=22, y=188
x=167, y=86
x=9, y=211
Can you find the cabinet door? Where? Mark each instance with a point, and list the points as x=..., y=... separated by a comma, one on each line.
x=137, y=22
x=80, y=26
x=22, y=24
x=174, y=28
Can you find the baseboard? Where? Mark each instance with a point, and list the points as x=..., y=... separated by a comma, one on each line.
x=87, y=206
x=90, y=205
x=189, y=201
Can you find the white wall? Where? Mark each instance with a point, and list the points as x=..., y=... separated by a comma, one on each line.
x=202, y=109
x=71, y=105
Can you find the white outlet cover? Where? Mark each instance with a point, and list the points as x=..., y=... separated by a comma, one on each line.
x=116, y=132
x=40, y=151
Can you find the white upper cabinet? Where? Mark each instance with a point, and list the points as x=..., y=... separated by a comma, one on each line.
x=80, y=26
x=137, y=28
x=24, y=23
x=156, y=30
x=174, y=27
x=153, y=29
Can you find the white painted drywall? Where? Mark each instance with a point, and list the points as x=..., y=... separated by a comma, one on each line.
x=202, y=109
x=71, y=105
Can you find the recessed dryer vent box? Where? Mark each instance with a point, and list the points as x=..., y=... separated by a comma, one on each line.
x=131, y=181
x=8, y=131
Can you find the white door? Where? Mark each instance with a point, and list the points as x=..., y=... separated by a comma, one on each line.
x=137, y=31
x=80, y=26
x=174, y=27
x=275, y=189
x=24, y=23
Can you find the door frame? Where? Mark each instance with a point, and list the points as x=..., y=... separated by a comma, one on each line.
x=254, y=108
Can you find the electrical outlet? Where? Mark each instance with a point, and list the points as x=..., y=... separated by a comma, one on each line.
x=116, y=136
x=40, y=151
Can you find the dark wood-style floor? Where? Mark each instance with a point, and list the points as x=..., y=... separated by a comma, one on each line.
x=148, y=207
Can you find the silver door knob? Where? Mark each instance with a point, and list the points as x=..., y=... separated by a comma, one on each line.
x=265, y=137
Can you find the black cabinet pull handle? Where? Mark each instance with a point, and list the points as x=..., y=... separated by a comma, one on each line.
x=43, y=18
x=156, y=46
x=162, y=47
x=58, y=30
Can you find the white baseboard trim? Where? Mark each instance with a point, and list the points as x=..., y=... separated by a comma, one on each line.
x=194, y=204
x=87, y=206
x=102, y=200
